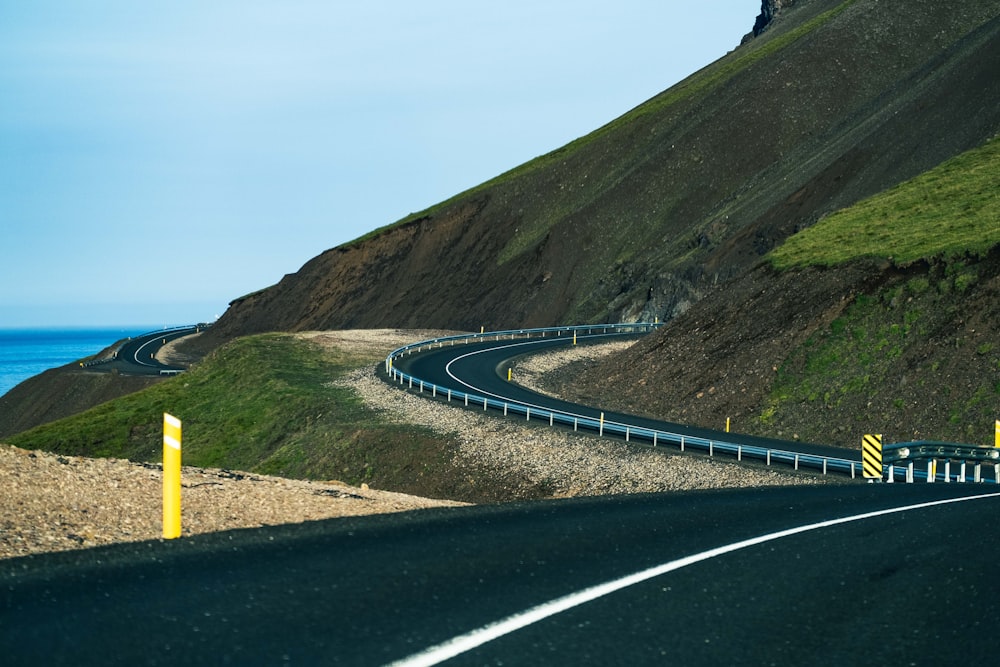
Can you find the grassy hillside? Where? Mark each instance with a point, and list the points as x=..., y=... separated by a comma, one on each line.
x=265, y=404
x=952, y=210
x=883, y=317
x=895, y=357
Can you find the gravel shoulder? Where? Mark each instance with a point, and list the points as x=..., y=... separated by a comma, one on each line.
x=53, y=503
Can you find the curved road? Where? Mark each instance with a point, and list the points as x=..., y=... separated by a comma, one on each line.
x=480, y=368
x=137, y=355
x=725, y=577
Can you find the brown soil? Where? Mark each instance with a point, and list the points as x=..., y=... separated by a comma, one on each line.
x=933, y=376
x=54, y=503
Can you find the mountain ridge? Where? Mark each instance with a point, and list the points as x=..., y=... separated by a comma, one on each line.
x=638, y=218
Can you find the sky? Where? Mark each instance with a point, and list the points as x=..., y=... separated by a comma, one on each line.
x=160, y=159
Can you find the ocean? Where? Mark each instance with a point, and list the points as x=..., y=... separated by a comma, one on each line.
x=28, y=352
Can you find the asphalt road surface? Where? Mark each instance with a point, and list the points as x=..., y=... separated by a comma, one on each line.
x=713, y=582
x=481, y=367
x=137, y=356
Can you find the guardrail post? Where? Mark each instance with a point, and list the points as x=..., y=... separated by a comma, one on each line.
x=977, y=473
x=768, y=457
x=601, y=432
x=682, y=443
x=947, y=471
x=909, y=472
x=892, y=474
x=930, y=471
x=961, y=471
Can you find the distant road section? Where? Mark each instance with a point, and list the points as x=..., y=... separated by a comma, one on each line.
x=138, y=355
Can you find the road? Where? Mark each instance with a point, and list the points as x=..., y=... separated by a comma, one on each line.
x=137, y=355
x=906, y=587
x=480, y=368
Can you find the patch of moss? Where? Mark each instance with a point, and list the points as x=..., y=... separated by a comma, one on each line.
x=951, y=211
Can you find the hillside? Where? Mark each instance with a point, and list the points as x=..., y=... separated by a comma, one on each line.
x=881, y=318
x=671, y=211
x=834, y=102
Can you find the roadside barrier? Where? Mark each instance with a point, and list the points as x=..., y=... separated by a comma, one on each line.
x=600, y=425
x=900, y=453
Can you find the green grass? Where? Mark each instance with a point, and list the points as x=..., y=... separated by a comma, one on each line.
x=950, y=211
x=265, y=404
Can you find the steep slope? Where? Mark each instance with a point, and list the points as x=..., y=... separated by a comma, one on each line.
x=884, y=318
x=834, y=102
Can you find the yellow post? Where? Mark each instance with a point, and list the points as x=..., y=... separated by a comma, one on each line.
x=509, y=372
x=171, y=476
x=574, y=337
x=996, y=442
x=727, y=424
x=602, y=424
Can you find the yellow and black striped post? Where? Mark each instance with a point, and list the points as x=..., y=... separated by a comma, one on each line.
x=871, y=456
x=171, y=476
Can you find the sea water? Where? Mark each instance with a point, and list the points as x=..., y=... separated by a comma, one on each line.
x=28, y=352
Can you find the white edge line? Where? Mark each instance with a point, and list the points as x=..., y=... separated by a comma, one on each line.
x=490, y=394
x=463, y=643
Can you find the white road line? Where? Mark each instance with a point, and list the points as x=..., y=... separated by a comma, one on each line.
x=483, y=392
x=463, y=643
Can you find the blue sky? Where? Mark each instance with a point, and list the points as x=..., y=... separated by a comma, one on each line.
x=159, y=159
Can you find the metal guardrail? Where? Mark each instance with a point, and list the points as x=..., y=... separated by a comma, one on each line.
x=630, y=432
x=905, y=456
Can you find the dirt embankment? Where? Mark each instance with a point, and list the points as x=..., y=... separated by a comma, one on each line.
x=824, y=355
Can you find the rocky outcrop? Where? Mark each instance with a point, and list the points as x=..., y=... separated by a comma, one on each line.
x=768, y=10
